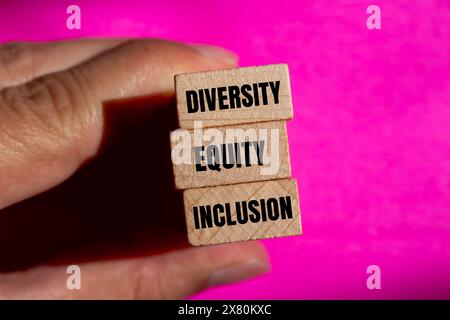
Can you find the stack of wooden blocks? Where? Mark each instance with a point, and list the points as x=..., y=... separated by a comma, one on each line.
x=231, y=155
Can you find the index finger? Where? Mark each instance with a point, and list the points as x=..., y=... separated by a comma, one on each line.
x=24, y=61
x=51, y=125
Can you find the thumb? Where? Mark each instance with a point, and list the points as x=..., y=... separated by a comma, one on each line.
x=190, y=271
x=174, y=275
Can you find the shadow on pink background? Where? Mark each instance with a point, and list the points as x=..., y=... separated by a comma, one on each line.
x=370, y=142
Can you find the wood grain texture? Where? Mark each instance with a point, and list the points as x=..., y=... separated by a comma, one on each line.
x=199, y=233
x=273, y=110
x=268, y=149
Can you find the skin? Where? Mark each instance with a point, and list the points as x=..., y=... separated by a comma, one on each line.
x=52, y=122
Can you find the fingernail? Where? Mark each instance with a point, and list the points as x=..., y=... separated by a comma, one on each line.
x=239, y=272
x=217, y=53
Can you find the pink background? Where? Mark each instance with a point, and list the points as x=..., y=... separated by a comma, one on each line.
x=370, y=142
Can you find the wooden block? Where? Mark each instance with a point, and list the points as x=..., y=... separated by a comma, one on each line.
x=231, y=154
x=240, y=212
x=225, y=97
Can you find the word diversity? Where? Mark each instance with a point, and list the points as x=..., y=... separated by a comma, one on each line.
x=231, y=154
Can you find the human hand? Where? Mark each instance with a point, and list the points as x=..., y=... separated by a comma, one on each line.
x=85, y=173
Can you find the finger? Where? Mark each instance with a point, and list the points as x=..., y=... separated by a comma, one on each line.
x=51, y=125
x=173, y=275
x=21, y=62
